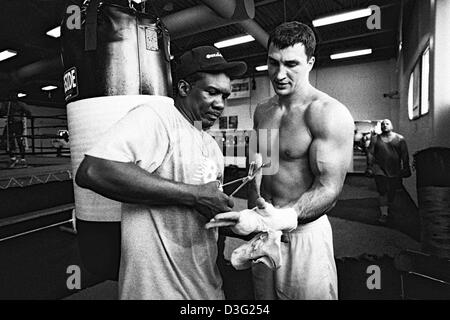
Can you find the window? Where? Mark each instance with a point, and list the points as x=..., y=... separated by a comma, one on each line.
x=418, y=90
x=424, y=101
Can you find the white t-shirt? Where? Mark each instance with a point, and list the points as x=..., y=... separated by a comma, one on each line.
x=166, y=251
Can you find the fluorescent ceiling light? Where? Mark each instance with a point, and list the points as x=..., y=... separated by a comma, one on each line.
x=234, y=41
x=55, y=32
x=261, y=68
x=342, y=17
x=350, y=54
x=21, y=95
x=48, y=88
x=6, y=54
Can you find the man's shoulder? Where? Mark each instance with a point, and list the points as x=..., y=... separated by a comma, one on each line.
x=322, y=102
x=399, y=136
x=162, y=108
x=327, y=111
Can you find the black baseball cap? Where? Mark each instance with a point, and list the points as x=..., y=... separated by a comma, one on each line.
x=208, y=58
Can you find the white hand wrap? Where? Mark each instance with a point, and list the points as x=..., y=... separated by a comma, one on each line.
x=269, y=218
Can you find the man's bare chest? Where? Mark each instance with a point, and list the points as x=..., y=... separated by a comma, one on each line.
x=290, y=131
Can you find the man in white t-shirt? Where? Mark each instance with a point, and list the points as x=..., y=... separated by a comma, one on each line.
x=161, y=164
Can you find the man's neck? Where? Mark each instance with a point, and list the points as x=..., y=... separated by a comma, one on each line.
x=180, y=107
x=189, y=116
x=301, y=96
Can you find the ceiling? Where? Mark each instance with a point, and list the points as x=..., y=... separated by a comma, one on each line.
x=24, y=23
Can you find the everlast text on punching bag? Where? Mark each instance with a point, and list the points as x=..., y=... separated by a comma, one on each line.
x=116, y=56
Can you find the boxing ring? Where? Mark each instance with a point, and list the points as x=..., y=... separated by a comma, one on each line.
x=42, y=135
x=39, y=195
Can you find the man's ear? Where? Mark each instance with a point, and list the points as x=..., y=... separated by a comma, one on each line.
x=311, y=62
x=183, y=88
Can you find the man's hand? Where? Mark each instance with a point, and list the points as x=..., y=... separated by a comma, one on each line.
x=258, y=219
x=210, y=200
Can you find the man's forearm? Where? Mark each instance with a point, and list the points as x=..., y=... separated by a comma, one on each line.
x=129, y=183
x=314, y=203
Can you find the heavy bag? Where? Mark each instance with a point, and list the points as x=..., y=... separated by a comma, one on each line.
x=115, y=58
x=111, y=49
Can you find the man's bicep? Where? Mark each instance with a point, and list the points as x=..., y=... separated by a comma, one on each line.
x=91, y=170
x=111, y=179
x=331, y=152
x=329, y=161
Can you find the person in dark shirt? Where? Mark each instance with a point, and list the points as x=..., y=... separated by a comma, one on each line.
x=14, y=111
x=388, y=162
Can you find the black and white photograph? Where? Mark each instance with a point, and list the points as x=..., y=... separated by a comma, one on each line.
x=225, y=154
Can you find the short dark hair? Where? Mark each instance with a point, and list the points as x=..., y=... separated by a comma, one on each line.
x=290, y=33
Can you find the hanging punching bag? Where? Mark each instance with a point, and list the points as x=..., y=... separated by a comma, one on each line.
x=116, y=57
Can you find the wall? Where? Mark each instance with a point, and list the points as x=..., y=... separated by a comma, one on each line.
x=361, y=87
x=441, y=72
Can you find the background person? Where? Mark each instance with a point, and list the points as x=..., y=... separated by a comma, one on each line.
x=388, y=162
x=14, y=111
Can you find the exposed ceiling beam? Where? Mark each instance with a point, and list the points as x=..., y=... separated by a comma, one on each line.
x=223, y=8
x=300, y=10
x=195, y=20
x=34, y=45
x=263, y=3
x=374, y=33
x=362, y=35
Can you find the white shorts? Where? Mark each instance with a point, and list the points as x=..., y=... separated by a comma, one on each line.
x=308, y=270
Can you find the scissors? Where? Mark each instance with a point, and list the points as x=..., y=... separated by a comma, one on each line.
x=250, y=176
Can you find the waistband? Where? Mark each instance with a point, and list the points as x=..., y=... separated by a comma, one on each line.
x=318, y=223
